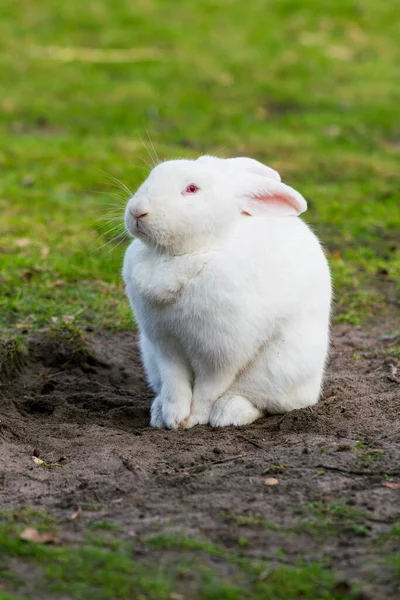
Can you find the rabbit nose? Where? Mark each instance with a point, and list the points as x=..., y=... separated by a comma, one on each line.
x=138, y=214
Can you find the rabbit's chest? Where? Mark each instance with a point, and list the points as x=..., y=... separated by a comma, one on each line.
x=202, y=315
x=163, y=284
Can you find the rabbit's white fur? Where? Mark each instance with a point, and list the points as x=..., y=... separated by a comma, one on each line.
x=231, y=292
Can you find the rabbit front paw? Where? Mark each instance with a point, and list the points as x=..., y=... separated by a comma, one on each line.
x=197, y=418
x=233, y=410
x=169, y=415
x=175, y=413
x=156, y=418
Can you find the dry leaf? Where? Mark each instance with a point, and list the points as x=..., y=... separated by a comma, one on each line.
x=33, y=535
x=339, y=52
x=332, y=130
x=271, y=481
x=75, y=514
x=38, y=461
x=57, y=283
x=175, y=596
x=68, y=318
x=391, y=485
x=22, y=242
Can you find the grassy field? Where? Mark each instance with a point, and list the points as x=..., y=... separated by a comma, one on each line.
x=310, y=89
x=307, y=87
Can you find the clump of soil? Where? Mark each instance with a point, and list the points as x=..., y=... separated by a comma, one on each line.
x=91, y=415
x=61, y=346
x=12, y=357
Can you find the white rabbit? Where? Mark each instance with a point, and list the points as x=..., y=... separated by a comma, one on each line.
x=231, y=292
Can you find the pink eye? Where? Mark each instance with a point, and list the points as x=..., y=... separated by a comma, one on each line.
x=191, y=189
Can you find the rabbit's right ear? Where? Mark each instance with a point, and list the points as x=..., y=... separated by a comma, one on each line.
x=263, y=196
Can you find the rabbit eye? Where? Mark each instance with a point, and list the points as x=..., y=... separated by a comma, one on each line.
x=191, y=189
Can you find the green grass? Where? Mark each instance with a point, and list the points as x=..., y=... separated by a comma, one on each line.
x=166, y=541
x=395, y=560
x=88, y=571
x=316, y=518
x=105, y=525
x=331, y=518
x=91, y=558
x=392, y=352
x=249, y=519
x=310, y=88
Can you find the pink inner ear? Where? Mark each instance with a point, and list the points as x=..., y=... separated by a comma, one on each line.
x=264, y=196
x=277, y=198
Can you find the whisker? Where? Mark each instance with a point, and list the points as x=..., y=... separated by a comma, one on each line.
x=119, y=243
x=111, y=235
x=148, y=151
x=114, y=195
x=222, y=150
x=121, y=185
x=123, y=236
x=113, y=213
x=120, y=226
x=148, y=164
x=108, y=222
x=112, y=208
x=111, y=195
x=152, y=145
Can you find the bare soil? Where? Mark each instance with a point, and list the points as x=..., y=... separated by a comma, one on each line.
x=92, y=417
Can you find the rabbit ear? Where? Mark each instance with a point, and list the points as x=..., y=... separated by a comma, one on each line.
x=241, y=164
x=262, y=196
x=250, y=165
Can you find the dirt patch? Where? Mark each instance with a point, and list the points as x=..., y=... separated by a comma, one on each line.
x=92, y=418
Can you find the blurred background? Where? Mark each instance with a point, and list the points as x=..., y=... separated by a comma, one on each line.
x=310, y=88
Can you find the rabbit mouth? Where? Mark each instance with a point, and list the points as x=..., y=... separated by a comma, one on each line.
x=140, y=229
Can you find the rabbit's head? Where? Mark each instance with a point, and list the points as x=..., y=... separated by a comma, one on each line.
x=187, y=205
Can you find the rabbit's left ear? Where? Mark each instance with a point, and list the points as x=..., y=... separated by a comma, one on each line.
x=242, y=163
x=262, y=196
